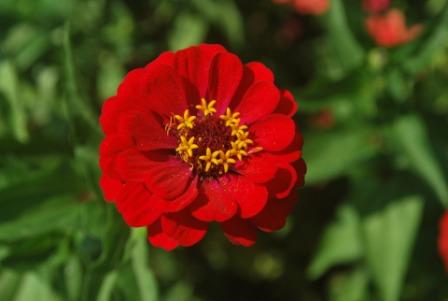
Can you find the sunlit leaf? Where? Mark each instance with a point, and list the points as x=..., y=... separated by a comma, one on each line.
x=412, y=138
x=389, y=236
x=340, y=244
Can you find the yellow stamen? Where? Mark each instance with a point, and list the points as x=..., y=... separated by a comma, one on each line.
x=186, y=147
x=186, y=121
x=230, y=118
x=207, y=158
x=243, y=140
x=237, y=150
x=207, y=109
x=239, y=130
x=226, y=159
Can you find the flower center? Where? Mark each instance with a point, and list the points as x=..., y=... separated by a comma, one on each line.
x=212, y=145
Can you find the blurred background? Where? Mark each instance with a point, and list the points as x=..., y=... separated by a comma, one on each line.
x=373, y=108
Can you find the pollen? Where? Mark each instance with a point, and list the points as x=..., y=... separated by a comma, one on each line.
x=211, y=145
x=186, y=121
x=230, y=118
x=186, y=147
x=207, y=108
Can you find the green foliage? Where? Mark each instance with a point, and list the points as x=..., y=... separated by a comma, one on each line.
x=374, y=122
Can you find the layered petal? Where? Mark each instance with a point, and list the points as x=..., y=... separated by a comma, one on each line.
x=214, y=203
x=164, y=91
x=250, y=197
x=258, y=102
x=111, y=187
x=146, y=132
x=194, y=64
x=239, y=232
x=283, y=182
x=274, y=215
x=225, y=75
x=287, y=105
x=274, y=133
x=137, y=205
x=160, y=239
x=259, y=169
x=183, y=228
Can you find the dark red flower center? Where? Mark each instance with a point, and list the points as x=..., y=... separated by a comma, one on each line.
x=212, y=145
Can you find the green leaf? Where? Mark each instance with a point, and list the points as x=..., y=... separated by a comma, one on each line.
x=9, y=87
x=340, y=244
x=411, y=136
x=9, y=282
x=331, y=154
x=75, y=103
x=145, y=279
x=107, y=287
x=224, y=14
x=63, y=212
x=389, y=238
x=35, y=288
x=351, y=286
x=73, y=277
x=348, y=50
x=435, y=40
x=189, y=29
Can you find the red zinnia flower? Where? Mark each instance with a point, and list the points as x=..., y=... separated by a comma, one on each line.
x=197, y=137
x=375, y=6
x=312, y=7
x=390, y=30
x=443, y=239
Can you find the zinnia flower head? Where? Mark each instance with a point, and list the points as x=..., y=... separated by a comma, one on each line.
x=443, y=239
x=375, y=6
x=312, y=7
x=390, y=29
x=197, y=137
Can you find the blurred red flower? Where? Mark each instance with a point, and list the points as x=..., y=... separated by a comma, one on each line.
x=390, y=30
x=198, y=137
x=312, y=7
x=375, y=6
x=443, y=239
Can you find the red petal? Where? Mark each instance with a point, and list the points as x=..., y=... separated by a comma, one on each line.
x=164, y=91
x=253, y=73
x=274, y=133
x=111, y=146
x=239, y=232
x=260, y=72
x=133, y=165
x=169, y=179
x=146, y=131
x=184, y=199
x=166, y=58
x=273, y=216
x=287, y=105
x=183, y=228
x=111, y=187
x=130, y=85
x=259, y=168
x=214, y=204
x=283, y=182
x=250, y=197
x=259, y=101
x=225, y=75
x=194, y=64
x=159, y=239
x=137, y=206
